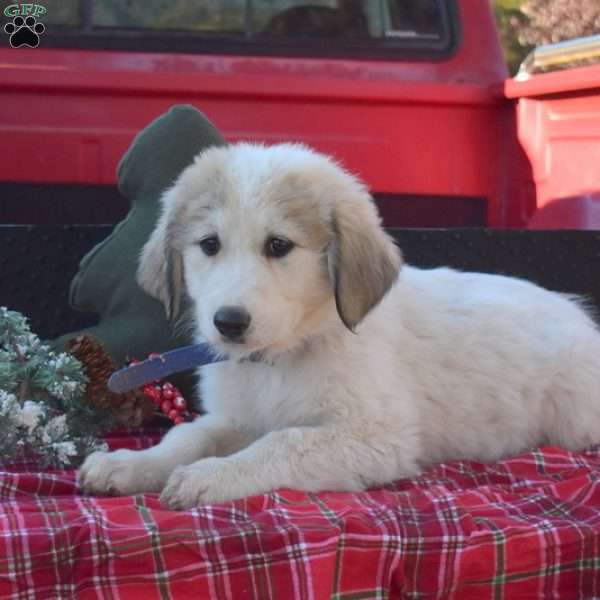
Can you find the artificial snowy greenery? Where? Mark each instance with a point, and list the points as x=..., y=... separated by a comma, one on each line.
x=43, y=409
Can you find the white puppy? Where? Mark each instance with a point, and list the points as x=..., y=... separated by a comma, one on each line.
x=346, y=371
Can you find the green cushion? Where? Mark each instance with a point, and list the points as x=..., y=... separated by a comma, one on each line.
x=133, y=324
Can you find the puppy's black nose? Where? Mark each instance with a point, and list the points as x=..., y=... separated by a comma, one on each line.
x=231, y=321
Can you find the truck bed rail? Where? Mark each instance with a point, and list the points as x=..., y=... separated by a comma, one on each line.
x=551, y=57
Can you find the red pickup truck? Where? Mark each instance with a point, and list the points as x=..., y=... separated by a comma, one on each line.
x=412, y=95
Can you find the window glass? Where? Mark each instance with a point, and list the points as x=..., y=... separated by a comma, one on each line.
x=347, y=18
x=362, y=25
x=293, y=19
x=418, y=18
x=277, y=18
x=183, y=15
x=61, y=12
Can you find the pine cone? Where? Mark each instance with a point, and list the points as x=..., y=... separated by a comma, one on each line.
x=131, y=409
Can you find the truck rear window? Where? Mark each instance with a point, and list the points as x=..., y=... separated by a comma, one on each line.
x=322, y=27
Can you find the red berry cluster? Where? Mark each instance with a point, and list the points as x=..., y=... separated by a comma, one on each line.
x=167, y=398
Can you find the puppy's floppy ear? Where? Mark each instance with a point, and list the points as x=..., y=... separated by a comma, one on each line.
x=160, y=269
x=363, y=261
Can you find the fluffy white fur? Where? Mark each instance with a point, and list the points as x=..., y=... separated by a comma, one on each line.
x=442, y=365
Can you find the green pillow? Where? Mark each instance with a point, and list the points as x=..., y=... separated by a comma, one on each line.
x=132, y=323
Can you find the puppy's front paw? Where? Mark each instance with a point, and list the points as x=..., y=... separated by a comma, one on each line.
x=204, y=482
x=122, y=472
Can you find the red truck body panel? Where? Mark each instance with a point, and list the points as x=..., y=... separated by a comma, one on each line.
x=438, y=142
x=432, y=130
x=559, y=127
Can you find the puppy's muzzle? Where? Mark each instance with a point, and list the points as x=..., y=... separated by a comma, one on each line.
x=232, y=322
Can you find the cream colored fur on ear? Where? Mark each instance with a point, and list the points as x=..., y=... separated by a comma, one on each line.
x=160, y=271
x=363, y=260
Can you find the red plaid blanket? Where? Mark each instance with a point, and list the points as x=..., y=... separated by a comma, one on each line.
x=528, y=527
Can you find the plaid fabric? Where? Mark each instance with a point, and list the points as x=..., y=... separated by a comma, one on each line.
x=528, y=527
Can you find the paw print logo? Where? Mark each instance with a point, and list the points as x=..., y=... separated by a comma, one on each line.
x=24, y=32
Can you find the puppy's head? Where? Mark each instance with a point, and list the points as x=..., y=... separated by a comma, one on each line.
x=272, y=244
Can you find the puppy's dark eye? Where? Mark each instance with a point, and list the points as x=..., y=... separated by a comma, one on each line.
x=277, y=247
x=210, y=245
